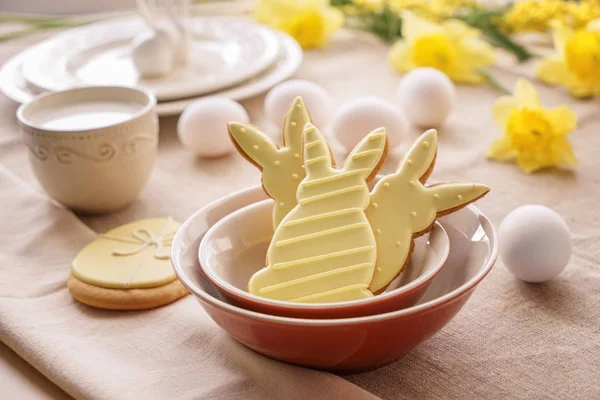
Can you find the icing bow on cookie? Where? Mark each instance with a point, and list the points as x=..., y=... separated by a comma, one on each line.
x=143, y=238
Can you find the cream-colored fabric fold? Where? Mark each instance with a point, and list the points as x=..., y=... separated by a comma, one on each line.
x=175, y=351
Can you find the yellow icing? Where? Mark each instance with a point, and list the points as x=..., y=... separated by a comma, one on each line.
x=281, y=167
x=135, y=255
x=324, y=250
x=405, y=207
x=348, y=293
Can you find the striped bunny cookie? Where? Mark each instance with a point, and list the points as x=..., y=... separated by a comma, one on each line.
x=324, y=250
x=402, y=208
x=281, y=168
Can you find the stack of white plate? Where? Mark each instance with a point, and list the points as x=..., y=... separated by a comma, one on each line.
x=230, y=56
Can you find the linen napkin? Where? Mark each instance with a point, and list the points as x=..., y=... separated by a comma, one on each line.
x=174, y=352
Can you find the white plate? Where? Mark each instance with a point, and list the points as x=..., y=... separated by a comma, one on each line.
x=289, y=62
x=225, y=51
x=14, y=86
x=12, y=83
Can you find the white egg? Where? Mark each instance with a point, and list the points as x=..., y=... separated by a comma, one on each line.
x=152, y=54
x=427, y=96
x=535, y=243
x=317, y=100
x=355, y=119
x=202, y=127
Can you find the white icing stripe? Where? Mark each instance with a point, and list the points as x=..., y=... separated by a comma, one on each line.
x=312, y=144
x=336, y=271
x=318, y=217
x=150, y=240
x=166, y=238
x=316, y=160
x=332, y=178
x=310, y=236
x=331, y=194
x=133, y=274
x=119, y=239
x=376, y=135
x=328, y=292
x=145, y=239
x=365, y=153
x=342, y=253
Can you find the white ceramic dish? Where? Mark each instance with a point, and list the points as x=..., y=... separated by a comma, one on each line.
x=92, y=149
x=224, y=52
x=288, y=63
x=12, y=83
x=14, y=86
x=349, y=344
x=236, y=247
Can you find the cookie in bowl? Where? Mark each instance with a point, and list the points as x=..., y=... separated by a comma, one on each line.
x=339, y=242
x=234, y=249
x=340, y=345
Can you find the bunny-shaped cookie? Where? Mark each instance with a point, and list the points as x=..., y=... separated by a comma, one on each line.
x=281, y=168
x=402, y=208
x=324, y=249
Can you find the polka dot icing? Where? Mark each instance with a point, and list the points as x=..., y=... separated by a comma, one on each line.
x=282, y=167
x=407, y=207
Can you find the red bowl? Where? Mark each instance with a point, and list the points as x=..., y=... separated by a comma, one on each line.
x=235, y=248
x=350, y=344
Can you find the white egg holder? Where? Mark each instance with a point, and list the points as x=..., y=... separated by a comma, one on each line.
x=169, y=32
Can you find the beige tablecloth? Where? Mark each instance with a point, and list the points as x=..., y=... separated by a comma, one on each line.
x=512, y=340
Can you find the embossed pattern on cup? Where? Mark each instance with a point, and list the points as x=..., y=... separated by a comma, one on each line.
x=92, y=170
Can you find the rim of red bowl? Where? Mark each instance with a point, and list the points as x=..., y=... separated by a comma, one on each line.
x=465, y=287
x=225, y=286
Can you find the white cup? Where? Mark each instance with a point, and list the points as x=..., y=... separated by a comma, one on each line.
x=92, y=148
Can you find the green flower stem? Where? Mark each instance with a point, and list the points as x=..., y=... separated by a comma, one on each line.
x=35, y=24
x=387, y=24
x=493, y=81
x=487, y=21
x=499, y=39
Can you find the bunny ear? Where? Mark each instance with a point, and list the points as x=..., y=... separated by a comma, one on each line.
x=367, y=154
x=295, y=120
x=317, y=156
x=257, y=146
x=421, y=156
x=450, y=197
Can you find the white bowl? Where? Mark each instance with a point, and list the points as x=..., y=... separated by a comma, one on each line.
x=236, y=247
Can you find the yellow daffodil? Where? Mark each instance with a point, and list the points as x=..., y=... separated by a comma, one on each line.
x=534, y=136
x=451, y=47
x=433, y=10
x=535, y=15
x=310, y=22
x=576, y=64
